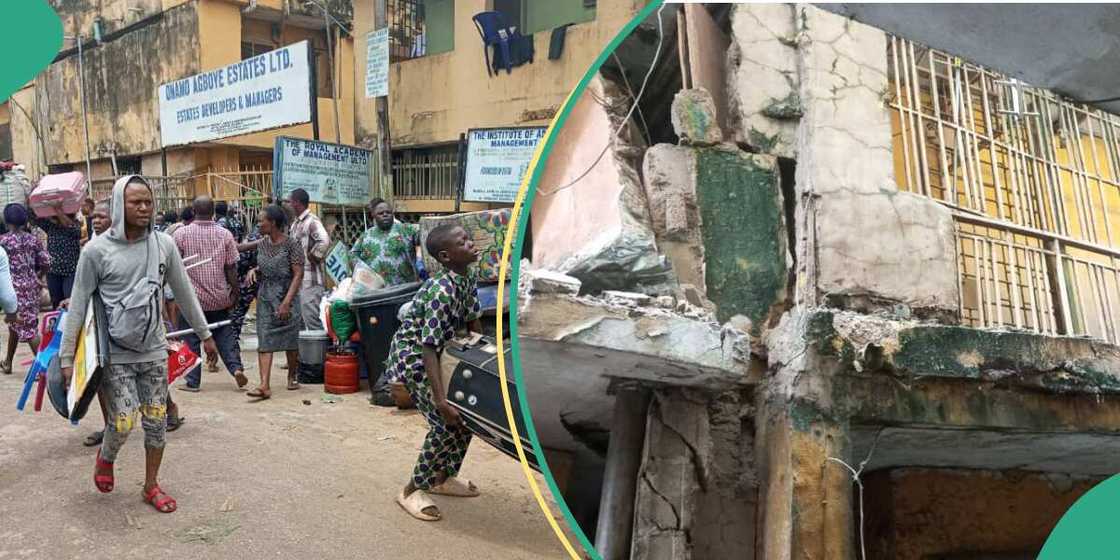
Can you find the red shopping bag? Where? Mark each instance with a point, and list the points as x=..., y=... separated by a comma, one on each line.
x=180, y=361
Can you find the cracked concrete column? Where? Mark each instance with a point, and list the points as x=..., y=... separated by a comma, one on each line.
x=807, y=502
x=801, y=427
x=697, y=492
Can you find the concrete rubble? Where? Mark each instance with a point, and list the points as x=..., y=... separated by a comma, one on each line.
x=693, y=114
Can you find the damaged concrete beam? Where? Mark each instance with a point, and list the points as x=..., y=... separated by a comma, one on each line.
x=571, y=348
x=908, y=349
x=647, y=344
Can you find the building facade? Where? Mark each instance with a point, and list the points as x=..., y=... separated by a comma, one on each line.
x=439, y=85
x=109, y=94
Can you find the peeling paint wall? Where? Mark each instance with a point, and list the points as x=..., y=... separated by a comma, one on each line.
x=114, y=15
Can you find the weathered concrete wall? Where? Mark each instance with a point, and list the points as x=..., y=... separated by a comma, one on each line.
x=121, y=82
x=433, y=99
x=144, y=47
x=870, y=240
x=913, y=514
x=697, y=491
x=597, y=228
x=811, y=85
x=763, y=76
x=26, y=146
x=78, y=16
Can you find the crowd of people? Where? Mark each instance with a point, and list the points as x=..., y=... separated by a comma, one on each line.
x=200, y=270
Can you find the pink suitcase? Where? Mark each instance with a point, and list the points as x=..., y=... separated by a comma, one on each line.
x=70, y=188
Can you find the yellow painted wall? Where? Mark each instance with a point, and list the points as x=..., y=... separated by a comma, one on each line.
x=435, y=98
x=219, y=34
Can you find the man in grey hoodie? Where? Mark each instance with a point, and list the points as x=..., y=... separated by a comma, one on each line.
x=127, y=267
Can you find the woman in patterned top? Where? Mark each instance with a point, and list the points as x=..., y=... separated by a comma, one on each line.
x=64, y=242
x=279, y=271
x=29, y=261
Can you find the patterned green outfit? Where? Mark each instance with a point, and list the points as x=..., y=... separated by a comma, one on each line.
x=389, y=253
x=444, y=302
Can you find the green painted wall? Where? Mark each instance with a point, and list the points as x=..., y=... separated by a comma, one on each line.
x=744, y=236
x=440, y=21
x=544, y=15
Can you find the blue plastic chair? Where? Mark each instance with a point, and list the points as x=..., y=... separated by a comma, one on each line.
x=491, y=26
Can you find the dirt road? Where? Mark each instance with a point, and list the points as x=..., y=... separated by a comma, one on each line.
x=275, y=479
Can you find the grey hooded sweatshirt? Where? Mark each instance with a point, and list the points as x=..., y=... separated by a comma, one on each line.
x=115, y=267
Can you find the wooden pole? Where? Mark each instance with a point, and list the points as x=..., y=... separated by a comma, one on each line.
x=314, y=91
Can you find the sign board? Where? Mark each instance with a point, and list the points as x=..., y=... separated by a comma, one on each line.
x=267, y=91
x=330, y=173
x=377, y=63
x=497, y=159
x=337, y=263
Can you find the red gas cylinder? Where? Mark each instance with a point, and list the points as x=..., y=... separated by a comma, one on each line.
x=340, y=373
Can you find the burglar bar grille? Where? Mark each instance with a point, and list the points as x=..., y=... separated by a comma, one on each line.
x=427, y=173
x=1034, y=184
x=406, y=29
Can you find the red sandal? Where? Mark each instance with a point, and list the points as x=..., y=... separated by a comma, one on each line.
x=165, y=503
x=103, y=482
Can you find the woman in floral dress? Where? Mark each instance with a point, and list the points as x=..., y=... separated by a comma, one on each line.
x=29, y=261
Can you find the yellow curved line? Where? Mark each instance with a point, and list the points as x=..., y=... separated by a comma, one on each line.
x=503, y=270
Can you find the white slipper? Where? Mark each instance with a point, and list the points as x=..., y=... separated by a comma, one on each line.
x=455, y=486
x=415, y=503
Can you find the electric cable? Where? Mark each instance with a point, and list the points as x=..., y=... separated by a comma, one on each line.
x=641, y=91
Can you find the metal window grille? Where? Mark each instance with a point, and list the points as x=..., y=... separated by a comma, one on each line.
x=406, y=29
x=1035, y=191
x=430, y=173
